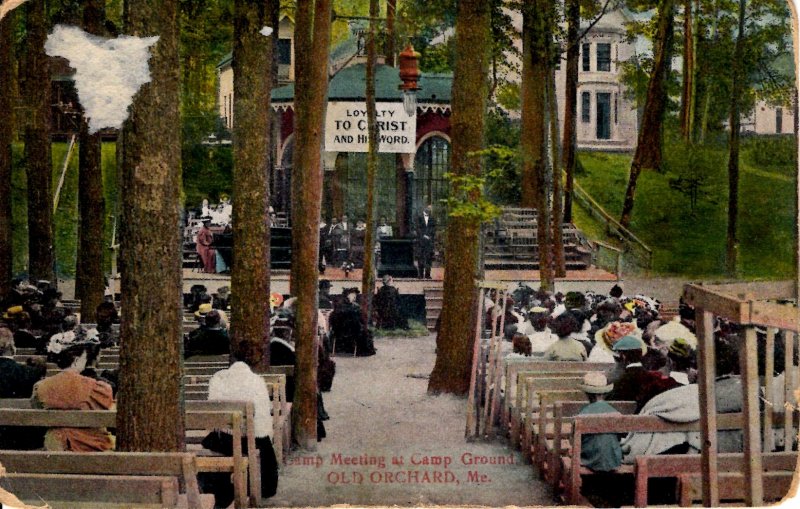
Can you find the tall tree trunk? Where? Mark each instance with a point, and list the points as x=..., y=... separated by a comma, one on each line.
x=41, y=255
x=89, y=277
x=532, y=122
x=6, y=137
x=559, y=263
x=570, y=140
x=391, y=11
x=250, y=274
x=312, y=38
x=648, y=146
x=687, y=91
x=536, y=39
x=737, y=87
x=150, y=406
x=451, y=373
x=368, y=272
x=707, y=94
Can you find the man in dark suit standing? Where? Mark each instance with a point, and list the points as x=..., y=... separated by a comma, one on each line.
x=426, y=235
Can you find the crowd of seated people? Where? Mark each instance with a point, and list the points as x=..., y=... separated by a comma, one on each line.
x=654, y=365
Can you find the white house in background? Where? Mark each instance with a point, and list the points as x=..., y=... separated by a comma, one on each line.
x=285, y=70
x=606, y=119
x=769, y=118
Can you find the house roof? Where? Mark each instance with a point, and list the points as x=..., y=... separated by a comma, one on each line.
x=349, y=84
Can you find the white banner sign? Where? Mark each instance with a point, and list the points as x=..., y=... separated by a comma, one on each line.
x=346, y=128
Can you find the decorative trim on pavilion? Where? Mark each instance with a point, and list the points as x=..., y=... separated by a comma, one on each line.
x=283, y=106
x=433, y=107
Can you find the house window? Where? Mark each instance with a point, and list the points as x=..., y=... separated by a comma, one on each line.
x=586, y=105
x=604, y=57
x=587, y=50
x=603, y=113
x=616, y=108
x=778, y=120
x=284, y=51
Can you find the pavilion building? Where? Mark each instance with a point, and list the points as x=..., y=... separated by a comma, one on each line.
x=414, y=152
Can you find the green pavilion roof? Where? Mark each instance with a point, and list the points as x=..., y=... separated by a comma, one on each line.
x=349, y=84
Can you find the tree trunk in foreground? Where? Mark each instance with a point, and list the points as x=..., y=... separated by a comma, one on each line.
x=559, y=263
x=6, y=137
x=250, y=276
x=732, y=244
x=570, y=140
x=391, y=12
x=648, y=146
x=533, y=137
x=312, y=39
x=41, y=255
x=89, y=277
x=451, y=373
x=150, y=414
x=368, y=272
x=687, y=92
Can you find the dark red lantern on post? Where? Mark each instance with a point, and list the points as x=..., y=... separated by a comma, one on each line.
x=409, y=75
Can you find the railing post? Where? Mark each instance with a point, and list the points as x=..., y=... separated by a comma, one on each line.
x=769, y=372
x=708, y=406
x=788, y=394
x=748, y=359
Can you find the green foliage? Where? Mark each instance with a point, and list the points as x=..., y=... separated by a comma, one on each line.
x=207, y=172
x=508, y=96
x=66, y=216
x=468, y=198
x=693, y=245
x=694, y=171
x=503, y=157
x=774, y=152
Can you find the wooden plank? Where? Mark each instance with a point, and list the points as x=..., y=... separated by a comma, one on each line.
x=706, y=376
x=471, y=430
x=721, y=304
x=788, y=390
x=769, y=383
x=759, y=290
x=156, y=490
x=772, y=314
x=748, y=359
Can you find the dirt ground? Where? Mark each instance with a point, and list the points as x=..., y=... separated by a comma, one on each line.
x=380, y=411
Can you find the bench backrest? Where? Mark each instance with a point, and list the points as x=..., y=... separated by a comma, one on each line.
x=514, y=366
x=182, y=466
x=126, y=491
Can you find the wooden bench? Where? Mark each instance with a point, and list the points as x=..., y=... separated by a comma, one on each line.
x=513, y=392
x=622, y=424
x=131, y=477
x=543, y=429
x=558, y=449
x=534, y=382
x=198, y=421
x=69, y=491
x=196, y=390
x=732, y=487
x=686, y=468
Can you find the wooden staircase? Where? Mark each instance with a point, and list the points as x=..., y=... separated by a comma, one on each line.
x=511, y=243
x=433, y=305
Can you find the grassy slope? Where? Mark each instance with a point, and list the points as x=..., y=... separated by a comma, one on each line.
x=66, y=216
x=694, y=245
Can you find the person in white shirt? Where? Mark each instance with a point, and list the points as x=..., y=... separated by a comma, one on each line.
x=239, y=383
x=541, y=337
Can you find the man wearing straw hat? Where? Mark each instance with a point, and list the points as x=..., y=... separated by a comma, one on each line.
x=601, y=452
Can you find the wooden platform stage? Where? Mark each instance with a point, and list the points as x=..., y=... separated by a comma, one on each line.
x=581, y=280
